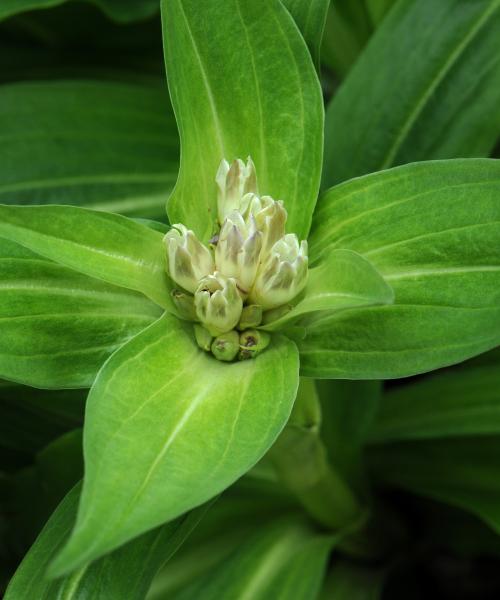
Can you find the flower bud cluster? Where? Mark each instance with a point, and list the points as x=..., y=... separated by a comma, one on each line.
x=252, y=267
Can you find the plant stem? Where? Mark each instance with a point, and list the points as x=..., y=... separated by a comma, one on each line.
x=301, y=462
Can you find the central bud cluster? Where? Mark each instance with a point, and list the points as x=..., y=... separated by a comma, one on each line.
x=250, y=269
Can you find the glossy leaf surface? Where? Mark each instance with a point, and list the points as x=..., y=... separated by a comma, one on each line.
x=126, y=573
x=168, y=427
x=242, y=83
x=433, y=231
x=426, y=87
x=109, y=146
x=39, y=298
x=103, y=245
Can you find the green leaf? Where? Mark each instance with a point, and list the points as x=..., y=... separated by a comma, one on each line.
x=284, y=561
x=244, y=507
x=242, y=83
x=463, y=472
x=436, y=96
x=159, y=441
x=103, y=245
x=52, y=473
x=342, y=279
x=58, y=326
x=348, y=409
x=432, y=230
x=126, y=573
x=461, y=401
x=119, y=10
x=109, y=146
x=310, y=18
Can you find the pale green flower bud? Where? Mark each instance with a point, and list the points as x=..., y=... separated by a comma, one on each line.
x=282, y=275
x=184, y=304
x=251, y=316
x=203, y=337
x=238, y=251
x=234, y=181
x=188, y=260
x=266, y=215
x=226, y=346
x=253, y=342
x=218, y=303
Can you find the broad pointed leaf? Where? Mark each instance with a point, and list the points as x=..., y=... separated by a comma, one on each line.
x=433, y=231
x=103, y=245
x=244, y=507
x=59, y=326
x=284, y=561
x=342, y=279
x=103, y=145
x=126, y=573
x=168, y=427
x=310, y=17
x=242, y=83
x=426, y=87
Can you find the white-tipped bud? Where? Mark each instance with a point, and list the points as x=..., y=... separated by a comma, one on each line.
x=238, y=250
x=283, y=275
x=218, y=303
x=188, y=260
x=234, y=181
x=266, y=215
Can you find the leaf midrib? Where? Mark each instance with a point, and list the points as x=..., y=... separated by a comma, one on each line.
x=413, y=115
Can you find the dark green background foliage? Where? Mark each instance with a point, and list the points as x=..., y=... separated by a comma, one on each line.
x=359, y=456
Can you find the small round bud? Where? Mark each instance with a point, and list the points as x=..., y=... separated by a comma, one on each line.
x=226, y=346
x=218, y=303
x=253, y=342
x=203, y=337
x=188, y=260
x=251, y=316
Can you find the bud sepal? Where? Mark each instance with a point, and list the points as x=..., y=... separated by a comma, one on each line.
x=188, y=260
x=218, y=303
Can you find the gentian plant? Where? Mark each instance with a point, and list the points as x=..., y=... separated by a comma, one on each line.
x=282, y=264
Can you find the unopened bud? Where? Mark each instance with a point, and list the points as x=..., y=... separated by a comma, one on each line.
x=188, y=260
x=253, y=342
x=184, y=304
x=238, y=251
x=203, y=337
x=266, y=215
x=251, y=316
x=218, y=303
x=283, y=275
x=226, y=346
x=234, y=181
